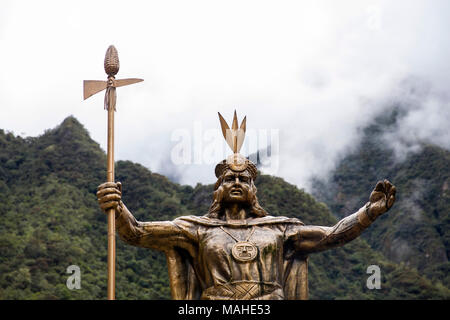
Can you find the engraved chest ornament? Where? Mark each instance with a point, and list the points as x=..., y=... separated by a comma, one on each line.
x=243, y=251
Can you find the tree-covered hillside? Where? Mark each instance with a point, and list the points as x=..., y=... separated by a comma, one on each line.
x=416, y=232
x=50, y=219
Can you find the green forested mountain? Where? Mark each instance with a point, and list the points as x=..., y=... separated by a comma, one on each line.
x=416, y=231
x=49, y=220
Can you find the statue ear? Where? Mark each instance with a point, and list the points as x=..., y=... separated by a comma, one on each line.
x=254, y=189
x=219, y=193
x=256, y=207
x=252, y=194
x=218, y=182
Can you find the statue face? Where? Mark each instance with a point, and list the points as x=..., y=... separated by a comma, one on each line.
x=236, y=187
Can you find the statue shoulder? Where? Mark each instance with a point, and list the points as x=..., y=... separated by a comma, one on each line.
x=277, y=220
x=199, y=220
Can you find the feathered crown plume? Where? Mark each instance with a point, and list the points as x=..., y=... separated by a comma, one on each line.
x=235, y=139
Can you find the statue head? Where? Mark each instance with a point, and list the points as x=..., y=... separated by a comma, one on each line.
x=235, y=176
x=235, y=187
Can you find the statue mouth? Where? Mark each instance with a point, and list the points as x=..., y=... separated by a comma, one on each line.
x=236, y=192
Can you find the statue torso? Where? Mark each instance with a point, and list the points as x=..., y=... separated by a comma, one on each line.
x=256, y=268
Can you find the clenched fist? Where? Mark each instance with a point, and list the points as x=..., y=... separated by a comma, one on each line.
x=382, y=198
x=109, y=195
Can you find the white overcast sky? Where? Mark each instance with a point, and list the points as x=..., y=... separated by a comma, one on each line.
x=313, y=71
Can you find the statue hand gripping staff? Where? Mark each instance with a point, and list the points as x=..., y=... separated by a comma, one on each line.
x=92, y=87
x=236, y=250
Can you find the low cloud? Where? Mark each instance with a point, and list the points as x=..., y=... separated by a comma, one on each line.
x=315, y=72
x=424, y=118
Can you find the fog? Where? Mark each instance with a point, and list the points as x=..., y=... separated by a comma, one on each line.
x=307, y=74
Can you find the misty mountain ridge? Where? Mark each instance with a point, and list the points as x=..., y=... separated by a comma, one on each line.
x=50, y=219
x=416, y=230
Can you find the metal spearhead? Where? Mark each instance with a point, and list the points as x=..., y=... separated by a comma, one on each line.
x=111, y=65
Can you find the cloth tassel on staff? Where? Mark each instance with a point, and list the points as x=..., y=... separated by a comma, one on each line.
x=92, y=87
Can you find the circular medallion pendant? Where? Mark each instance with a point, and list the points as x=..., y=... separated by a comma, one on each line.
x=244, y=251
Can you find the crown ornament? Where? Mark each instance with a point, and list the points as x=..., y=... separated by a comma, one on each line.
x=235, y=139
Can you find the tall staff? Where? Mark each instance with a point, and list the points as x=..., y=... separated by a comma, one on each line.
x=92, y=87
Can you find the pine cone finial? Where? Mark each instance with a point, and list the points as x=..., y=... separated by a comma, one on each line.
x=112, y=61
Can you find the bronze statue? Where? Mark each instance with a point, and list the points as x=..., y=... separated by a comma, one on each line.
x=236, y=250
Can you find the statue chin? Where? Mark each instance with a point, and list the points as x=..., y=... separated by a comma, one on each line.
x=240, y=199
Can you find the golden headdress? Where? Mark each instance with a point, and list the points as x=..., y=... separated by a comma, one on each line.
x=235, y=139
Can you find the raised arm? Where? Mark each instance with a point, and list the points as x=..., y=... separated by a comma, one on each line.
x=158, y=235
x=307, y=239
